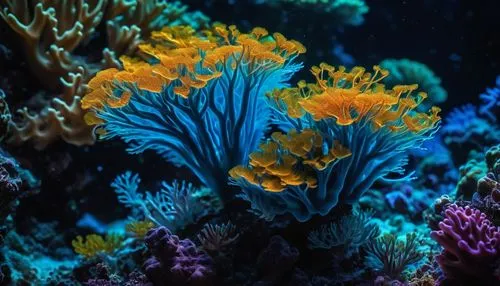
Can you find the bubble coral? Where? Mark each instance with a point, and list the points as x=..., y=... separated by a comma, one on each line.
x=471, y=245
x=200, y=102
x=344, y=132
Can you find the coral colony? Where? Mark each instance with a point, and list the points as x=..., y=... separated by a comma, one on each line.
x=159, y=146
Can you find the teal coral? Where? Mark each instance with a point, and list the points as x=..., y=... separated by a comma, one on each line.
x=351, y=232
x=391, y=255
x=405, y=71
x=176, y=205
x=347, y=12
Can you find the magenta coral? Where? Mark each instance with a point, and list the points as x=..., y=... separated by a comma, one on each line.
x=471, y=245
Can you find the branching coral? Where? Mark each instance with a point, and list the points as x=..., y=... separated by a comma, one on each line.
x=176, y=205
x=405, y=71
x=52, y=31
x=199, y=101
x=217, y=238
x=350, y=232
x=95, y=244
x=490, y=106
x=391, y=255
x=471, y=245
x=465, y=129
x=344, y=132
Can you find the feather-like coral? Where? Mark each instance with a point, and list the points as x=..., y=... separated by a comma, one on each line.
x=198, y=100
x=344, y=132
x=94, y=244
x=176, y=205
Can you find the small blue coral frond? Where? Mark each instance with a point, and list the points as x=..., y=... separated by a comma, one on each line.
x=126, y=186
x=490, y=106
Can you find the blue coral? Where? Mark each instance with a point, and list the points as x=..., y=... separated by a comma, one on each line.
x=176, y=205
x=490, y=99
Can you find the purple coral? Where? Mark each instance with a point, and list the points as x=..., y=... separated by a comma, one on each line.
x=176, y=261
x=471, y=245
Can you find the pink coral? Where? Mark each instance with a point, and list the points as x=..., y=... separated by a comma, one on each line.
x=471, y=244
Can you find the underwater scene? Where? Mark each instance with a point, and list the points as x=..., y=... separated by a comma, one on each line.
x=249, y=142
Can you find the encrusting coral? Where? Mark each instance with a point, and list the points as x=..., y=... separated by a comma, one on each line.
x=199, y=98
x=344, y=132
x=51, y=33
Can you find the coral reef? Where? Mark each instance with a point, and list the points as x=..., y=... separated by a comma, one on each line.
x=236, y=177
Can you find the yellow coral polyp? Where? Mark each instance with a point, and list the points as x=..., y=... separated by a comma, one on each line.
x=139, y=228
x=351, y=96
x=94, y=244
x=289, y=160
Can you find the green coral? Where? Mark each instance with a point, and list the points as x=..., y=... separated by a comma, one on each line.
x=393, y=256
x=94, y=244
x=405, y=71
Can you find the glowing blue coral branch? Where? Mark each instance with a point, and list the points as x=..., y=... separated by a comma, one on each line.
x=211, y=131
x=175, y=205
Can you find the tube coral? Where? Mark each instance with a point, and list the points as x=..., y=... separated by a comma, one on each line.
x=344, y=132
x=199, y=100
